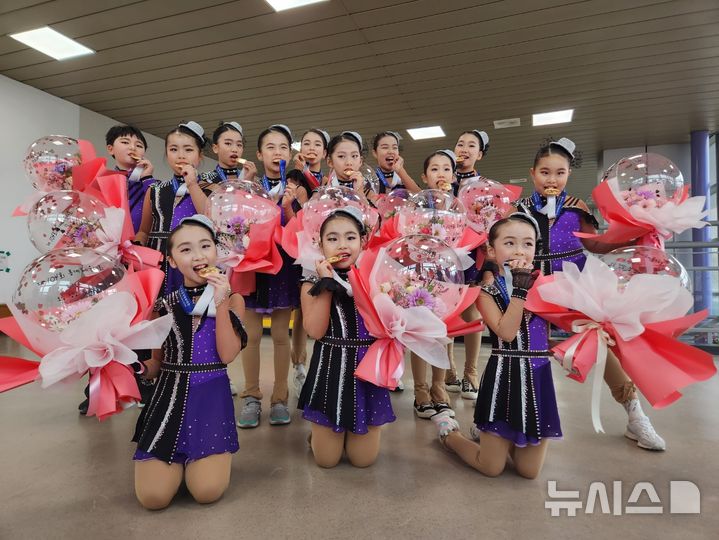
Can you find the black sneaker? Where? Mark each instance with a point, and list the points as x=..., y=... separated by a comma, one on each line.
x=441, y=407
x=469, y=391
x=83, y=407
x=425, y=410
x=454, y=386
x=400, y=387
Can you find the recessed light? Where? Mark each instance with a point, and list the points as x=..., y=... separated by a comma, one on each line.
x=517, y=180
x=296, y=146
x=555, y=117
x=507, y=123
x=429, y=132
x=52, y=43
x=281, y=5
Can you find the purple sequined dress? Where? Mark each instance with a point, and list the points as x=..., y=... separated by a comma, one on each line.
x=280, y=290
x=332, y=396
x=558, y=243
x=136, y=196
x=516, y=394
x=191, y=414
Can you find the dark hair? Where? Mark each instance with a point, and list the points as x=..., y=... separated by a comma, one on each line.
x=201, y=142
x=273, y=129
x=438, y=153
x=381, y=135
x=115, y=132
x=484, y=148
x=517, y=216
x=299, y=178
x=316, y=131
x=224, y=127
x=339, y=214
x=548, y=149
x=183, y=225
x=344, y=136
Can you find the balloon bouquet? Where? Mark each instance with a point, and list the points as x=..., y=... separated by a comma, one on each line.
x=83, y=304
x=633, y=300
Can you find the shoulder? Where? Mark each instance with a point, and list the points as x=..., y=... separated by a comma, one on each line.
x=208, y=176
x=490, y=288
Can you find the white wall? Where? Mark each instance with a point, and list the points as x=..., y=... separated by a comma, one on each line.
x=28, y=114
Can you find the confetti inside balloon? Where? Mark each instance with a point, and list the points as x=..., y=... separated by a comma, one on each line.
x=388, y=205
x=65, y=219
x=419, y=270
x=49, y=161
x=58, y=287
x=647, y=179
x=486, y=201
x=233, y=207
x=435, y=213
x=628, y=262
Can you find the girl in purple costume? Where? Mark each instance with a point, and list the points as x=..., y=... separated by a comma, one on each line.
x=167, y=203
x=276, y=295
x=516, y=409
x=559, y=216
x=188, y=428
x=346, y=413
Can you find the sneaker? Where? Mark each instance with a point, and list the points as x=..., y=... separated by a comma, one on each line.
x=641, y=430
x=445, y=425
x=474, y=432
x=250, y=414
x=469, y=391
x=299, y=377
x=400, y=387
x=424, y=410
x=279, y=414
x=454, y=386
x=440, y=407
x=233, y=389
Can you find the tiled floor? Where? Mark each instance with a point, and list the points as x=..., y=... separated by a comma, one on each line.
x=66, y=476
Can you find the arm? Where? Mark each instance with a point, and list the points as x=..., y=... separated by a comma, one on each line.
x=316, y=309
x=287, y=197
x=152, y=366
x=199, y=199
x=229, y=344
x=505, y=325
x=146, y=223
x=409, y=183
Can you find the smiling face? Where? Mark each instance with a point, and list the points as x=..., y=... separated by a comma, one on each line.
x=274, y=147
x=387, y=152
x=181, y=149
x=468, y=151
x=192, y=249
x=229, y=148
x=345, y=157
x=123, y=150
x=551, y=171
x=515, y=240
x=313, y=148
x=439, y=171
x=341, y=237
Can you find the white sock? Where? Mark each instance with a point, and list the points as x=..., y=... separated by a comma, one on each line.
x=634, y=409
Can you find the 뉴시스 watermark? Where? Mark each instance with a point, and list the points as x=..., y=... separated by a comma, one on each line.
x=683, y=498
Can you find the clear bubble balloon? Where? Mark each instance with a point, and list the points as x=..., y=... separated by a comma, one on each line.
x=389, y=204
x=58, y=287
x=65, y=219
x=646, y=179
x=419, y=270
x=628, y=262
x=233, y=207
x=435, y=213
x=49, y=161
x=371, y=181
x=486, y=201
x=329, y=198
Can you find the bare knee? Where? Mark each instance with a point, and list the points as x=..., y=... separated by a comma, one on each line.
x=493, y=470
x=529, y=472
x=325, y=459
x=208, y=493
x=362, y=461
x=153, y=499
